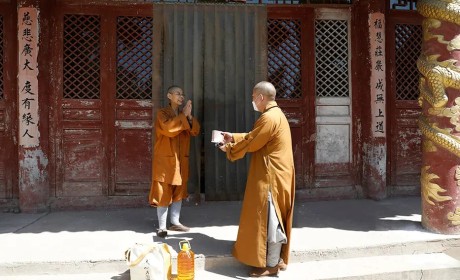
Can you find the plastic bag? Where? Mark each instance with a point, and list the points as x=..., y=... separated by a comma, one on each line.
x=150, y=261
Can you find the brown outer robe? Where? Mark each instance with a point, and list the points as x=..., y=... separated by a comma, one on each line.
x=172, y=146
x=271, y=168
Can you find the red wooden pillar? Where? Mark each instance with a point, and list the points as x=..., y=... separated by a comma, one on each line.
x=439, y=65
x=373, y=96
x=32, y=107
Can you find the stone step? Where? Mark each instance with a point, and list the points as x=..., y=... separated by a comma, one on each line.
x=405, y=248
x=408, y=248
x=210, y=263
x=418, y=266
x=435, y=266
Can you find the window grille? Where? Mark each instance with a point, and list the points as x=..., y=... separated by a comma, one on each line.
x=1, y=57
x=284, y=57
x=408, y=47
x=331, y=58
x=403, y=4
x=134, y=58
x=81, y=65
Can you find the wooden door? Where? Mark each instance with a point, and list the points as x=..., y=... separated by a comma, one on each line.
x=403, y=47
x=290, y=44
x=309, y=64
x=8, y=103
x=334, y=138
x=102, y=114
x=131, y=138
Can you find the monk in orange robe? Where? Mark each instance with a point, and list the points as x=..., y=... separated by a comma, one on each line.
x=173, y=128
x=266, y=216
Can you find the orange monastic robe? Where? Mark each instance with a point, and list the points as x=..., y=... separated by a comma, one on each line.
x=271, y=169
x=171, y=149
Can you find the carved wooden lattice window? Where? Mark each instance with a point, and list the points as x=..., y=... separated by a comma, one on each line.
x=134, y=58
x=331, y=58
x=1, y=57
x=81, y=57
x=284, y=57
x=403, y=4
x=408, y=47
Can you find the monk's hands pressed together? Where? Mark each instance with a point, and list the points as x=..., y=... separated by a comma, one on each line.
x=187, y=110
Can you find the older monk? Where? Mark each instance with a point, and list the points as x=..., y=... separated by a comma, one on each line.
x=173, y=128
x=266, y=217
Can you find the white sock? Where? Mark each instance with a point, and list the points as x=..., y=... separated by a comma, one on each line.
x=162, y=213
x=273, y=253
x=175, y=212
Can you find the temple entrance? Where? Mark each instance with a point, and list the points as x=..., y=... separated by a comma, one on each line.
x=103, y=108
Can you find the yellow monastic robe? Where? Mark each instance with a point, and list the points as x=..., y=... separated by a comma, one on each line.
x=271, y=169
x=172, y=147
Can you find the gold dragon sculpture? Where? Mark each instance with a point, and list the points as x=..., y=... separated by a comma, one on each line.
x=437, y=76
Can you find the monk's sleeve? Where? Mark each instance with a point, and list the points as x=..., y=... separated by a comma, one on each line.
x=195, y=127
x=252, y=141
x=237, y=137
x=171, y=127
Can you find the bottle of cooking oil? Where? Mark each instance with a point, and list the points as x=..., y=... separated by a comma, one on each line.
x=185, y=262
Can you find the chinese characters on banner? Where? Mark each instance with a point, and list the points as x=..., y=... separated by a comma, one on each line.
x=378, y=82
x=28, y=77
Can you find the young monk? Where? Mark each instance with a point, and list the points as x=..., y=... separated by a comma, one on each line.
x=173, y=128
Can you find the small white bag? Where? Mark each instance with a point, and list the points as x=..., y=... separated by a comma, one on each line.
x=150, y=261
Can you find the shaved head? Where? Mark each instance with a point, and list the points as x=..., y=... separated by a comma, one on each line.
x=173, y=89
x=267, y=89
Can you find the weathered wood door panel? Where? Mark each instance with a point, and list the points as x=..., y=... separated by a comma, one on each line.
x=130, y=125
x=133, y=146
x=333, y=100
x=103, y=113
x=8, y=103
x=309, y=64
x=3, y=152
x=404, y=46
x=81, y=158
x=290, y=43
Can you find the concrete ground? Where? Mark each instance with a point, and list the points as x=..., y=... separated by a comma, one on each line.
x=330, y=240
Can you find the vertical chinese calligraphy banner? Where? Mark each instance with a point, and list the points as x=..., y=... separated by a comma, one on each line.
x=28, y=77
x=378, y=82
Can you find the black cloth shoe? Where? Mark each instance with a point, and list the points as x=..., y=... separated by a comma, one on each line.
x=179, y=227
x=162, y=233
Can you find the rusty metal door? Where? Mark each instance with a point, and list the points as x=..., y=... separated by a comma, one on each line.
x=403, y=48
x=102, y=114
x=8, y=103
x=218, y=53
